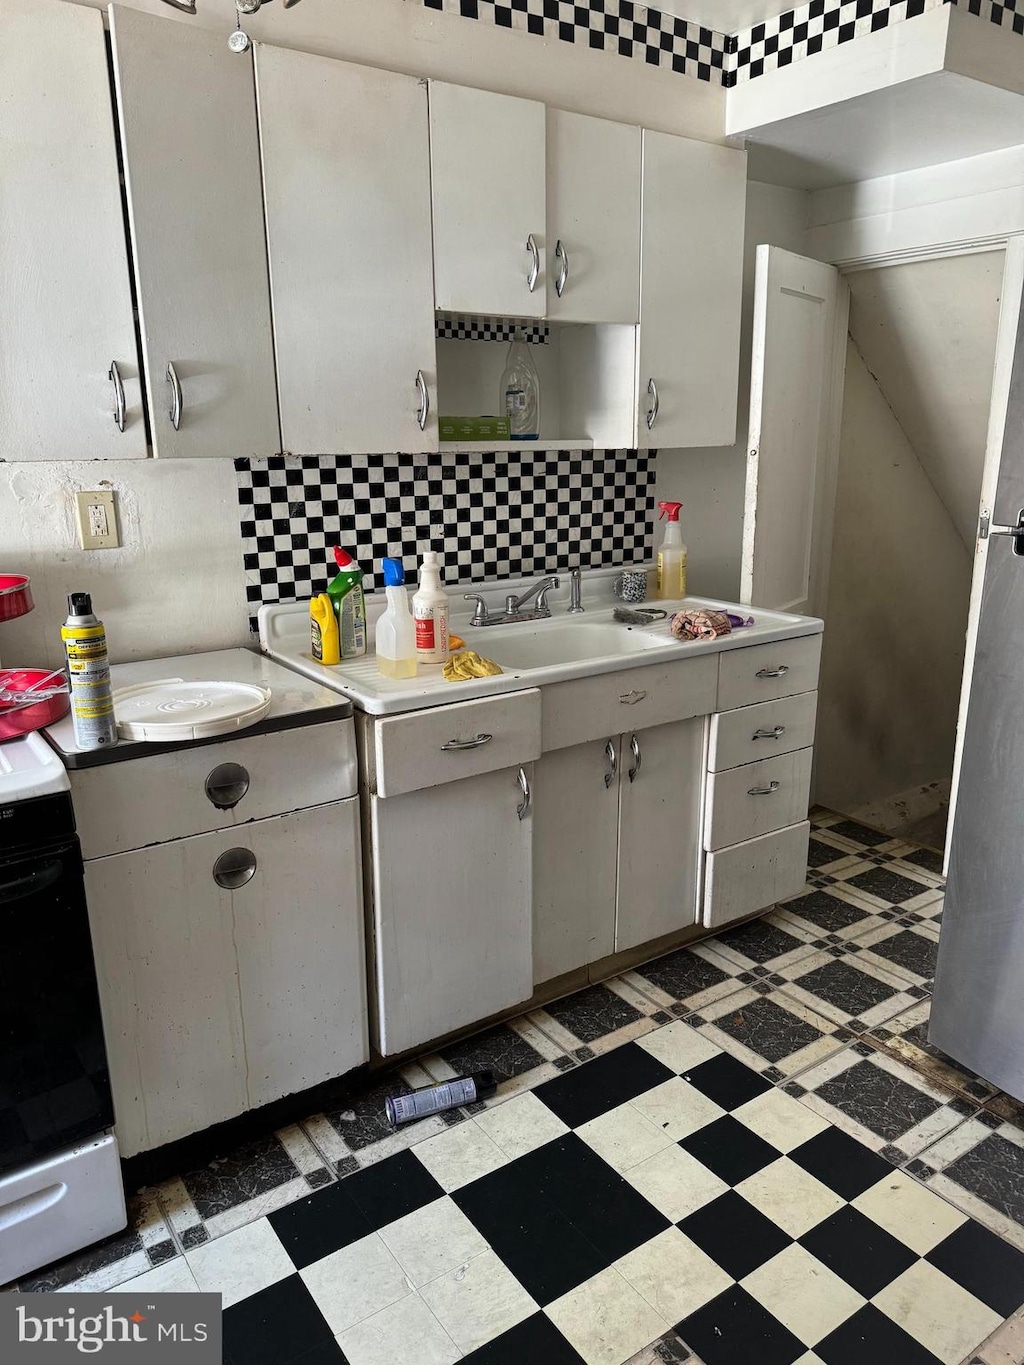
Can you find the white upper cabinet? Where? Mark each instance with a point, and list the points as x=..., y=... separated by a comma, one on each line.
x=195, y=205
x=68, y=348
x=691, y=282
x=346, y=163
x=593, y=217
x=487, y=163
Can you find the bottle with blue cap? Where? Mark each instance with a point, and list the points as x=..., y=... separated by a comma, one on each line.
x=396, y=631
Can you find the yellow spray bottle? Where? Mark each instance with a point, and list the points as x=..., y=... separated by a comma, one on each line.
x=323, y=630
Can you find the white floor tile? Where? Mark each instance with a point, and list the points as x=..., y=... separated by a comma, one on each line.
x=240, y=1263
x=803, y=1294
x=459, y=1155
x=354, y=1283
x=623, y=1137
x=406, y=1330
x=431, y=1240
x=173, y=1277
x=673, y=1275
x=478, y=1301
x=789, y=1196
x=780, y=1120
x=606, y=1319
x=920, y=1219
x=676, y=1183
x=521, y=1125
x=677, y=1108
x=678, y=1046
x=937, y=1312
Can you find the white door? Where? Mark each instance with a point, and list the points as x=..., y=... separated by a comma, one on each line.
x=351, y=264
x=691, y=286
x=68, y=338
x=661, y=791
x=195, y=205
x=593, y=214
x=488, y=185
x=452, y=885
x=576, y=817
x=801, y=314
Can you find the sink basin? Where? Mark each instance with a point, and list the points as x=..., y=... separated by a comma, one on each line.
x=519, y=648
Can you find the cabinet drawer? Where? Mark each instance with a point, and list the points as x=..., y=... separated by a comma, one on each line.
x=764, y=672
x=757, y=798
x=429, y=748
x=630, y=699
x=143, y=801
x=756, y=732
x=754, y=875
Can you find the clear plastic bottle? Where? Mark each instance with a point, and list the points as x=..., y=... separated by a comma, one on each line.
x=396, y=631
x=519, y=397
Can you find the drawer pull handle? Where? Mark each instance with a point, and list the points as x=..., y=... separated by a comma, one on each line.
x=234, y=868
x=776, y=733
x=779, y=672
x=613, y=763
x=454, y=744
x=634, y=745
x=226, y=785
x=524, y=785
x=631, y=698
x=770, y=790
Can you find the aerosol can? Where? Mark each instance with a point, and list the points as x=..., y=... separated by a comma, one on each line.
x=85, y=645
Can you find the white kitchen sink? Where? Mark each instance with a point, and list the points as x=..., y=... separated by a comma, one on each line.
x=519, y=648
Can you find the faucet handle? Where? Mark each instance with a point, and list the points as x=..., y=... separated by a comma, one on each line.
x=552, y=581
x=481, y=614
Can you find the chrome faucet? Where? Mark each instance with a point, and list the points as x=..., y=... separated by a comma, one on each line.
x=575, y=593
x=516, y=607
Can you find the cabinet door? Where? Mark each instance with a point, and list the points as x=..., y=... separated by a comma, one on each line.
x=452, y=906
x=659, y=831
x=576, y=815
x=487, y=164
x=65, y=293
x=593, y=214
x=691, y=284
x=351, y=265
x=195, y=205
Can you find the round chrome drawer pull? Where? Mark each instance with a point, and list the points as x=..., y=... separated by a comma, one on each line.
x=234, y=868
x=226, y=785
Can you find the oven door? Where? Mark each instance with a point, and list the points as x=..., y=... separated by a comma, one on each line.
x=54, y=1086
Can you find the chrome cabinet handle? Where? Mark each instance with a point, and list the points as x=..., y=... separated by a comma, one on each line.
x=652, y=411
x=524, y=784
x=466, y=743
x=986, y=529
x=423, y=411
x=613, y=763
x=779, y=672
x=634, y=745
x=770, y=790
x=234, y=868
x=176, y=404
x=775, y=733
x=114, y=375
x=631, y=698
x=226, y=785
x=531, y=279
x=563, y=275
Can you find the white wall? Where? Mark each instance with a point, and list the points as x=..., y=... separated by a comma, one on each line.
x=710, y=482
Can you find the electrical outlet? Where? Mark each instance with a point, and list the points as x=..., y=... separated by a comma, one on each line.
x=97, y=519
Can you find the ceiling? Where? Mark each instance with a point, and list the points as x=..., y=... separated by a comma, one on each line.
x=729, y=16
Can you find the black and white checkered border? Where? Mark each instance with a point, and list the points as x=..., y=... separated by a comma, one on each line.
x=493, y=516
x=459, y=327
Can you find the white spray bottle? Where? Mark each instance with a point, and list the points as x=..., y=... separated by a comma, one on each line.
x=671, y=555
x=396, y=631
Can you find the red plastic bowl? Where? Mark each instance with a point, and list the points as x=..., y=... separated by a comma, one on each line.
x=15, y=596
x=18, y=720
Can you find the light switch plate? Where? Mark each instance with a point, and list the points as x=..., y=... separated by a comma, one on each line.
x=97, y=519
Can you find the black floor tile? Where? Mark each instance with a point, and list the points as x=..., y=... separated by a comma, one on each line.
x=760, y=941
x=916, y=952
x=888, y=885
x=726, y=1081
x=984, y=1265
x=392, y=1188
x=499, y=1049
x=994, y=1171
x=767, y=1029
x=734, y=1329
x=858, y=1251
x=838, y=1161
x=327, y=1221
x=827, y=912
x=251, y=1170
x=735, y=1234
x=926, y=858
x=537, y=1341
x=683, y=974
x=820, y=855
x=870, y=1338
x=280, y=1325
x=593, y=1012
x=860, y=834
x=600, y=1085
x=844, y=987
x=362, y=1121
x=730, y=1149
x=882, y=1102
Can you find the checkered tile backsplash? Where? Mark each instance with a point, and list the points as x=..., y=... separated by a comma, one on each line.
x=489, y=516
x=459, y=327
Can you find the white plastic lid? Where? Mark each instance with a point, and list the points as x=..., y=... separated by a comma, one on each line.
x=172, y=710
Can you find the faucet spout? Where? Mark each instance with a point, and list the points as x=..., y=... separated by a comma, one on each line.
x=539, y=591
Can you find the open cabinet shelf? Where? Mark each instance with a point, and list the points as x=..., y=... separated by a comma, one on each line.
x=503, y=447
